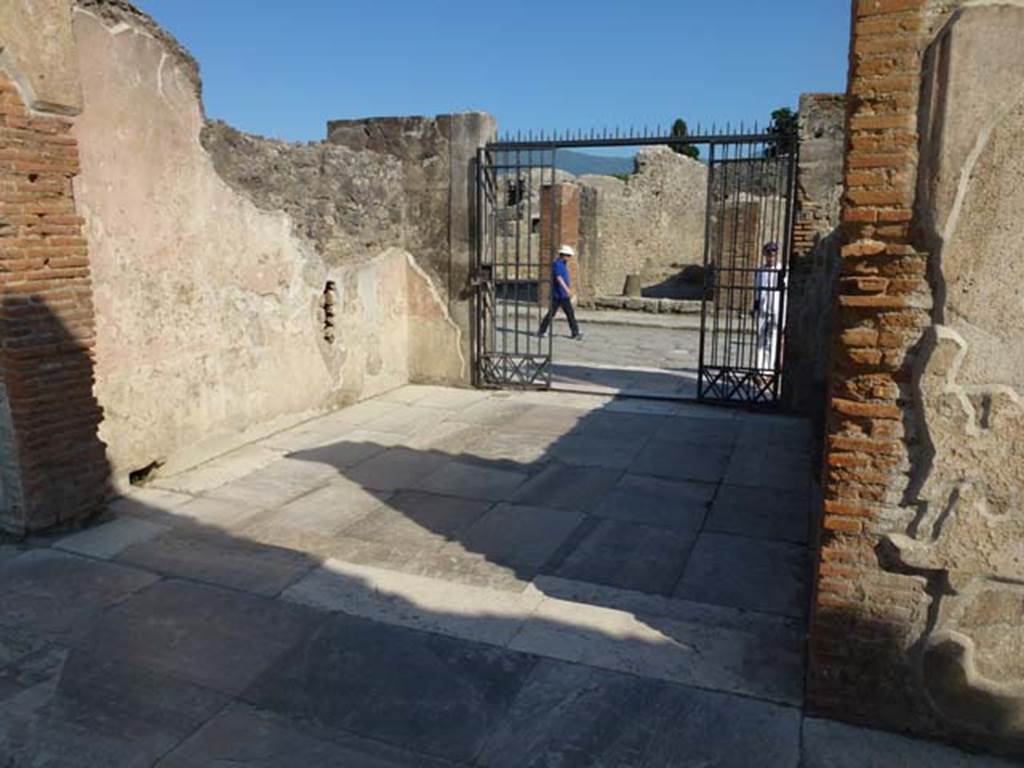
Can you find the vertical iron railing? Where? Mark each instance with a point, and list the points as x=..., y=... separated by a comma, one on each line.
x=750, y=190
x=746, y=264
x=510, y=268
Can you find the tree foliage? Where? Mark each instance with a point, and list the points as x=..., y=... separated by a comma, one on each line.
x=679, y=129
x=785, y=123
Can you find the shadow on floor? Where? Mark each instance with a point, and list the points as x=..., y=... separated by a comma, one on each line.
x=495, y=583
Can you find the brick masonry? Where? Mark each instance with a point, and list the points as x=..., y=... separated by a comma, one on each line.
x=559, y=225
x=868, y=615
x=54, y=464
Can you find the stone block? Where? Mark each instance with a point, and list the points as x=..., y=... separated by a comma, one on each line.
x=574, y=716
x=755, y=575
x=418, y=690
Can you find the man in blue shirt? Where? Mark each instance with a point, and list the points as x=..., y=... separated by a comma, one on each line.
x=561, y=293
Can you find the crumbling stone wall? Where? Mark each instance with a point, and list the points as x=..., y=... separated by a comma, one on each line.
x=52, y=466
x=213, y=252
x=814, y=258
x=651, y=224
x=919, y=607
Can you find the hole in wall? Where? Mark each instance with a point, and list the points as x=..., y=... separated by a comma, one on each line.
x=330, y=298
x=143, y=474
x=33, y=178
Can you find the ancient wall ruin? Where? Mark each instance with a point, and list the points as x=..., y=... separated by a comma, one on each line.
x=814, y=258
x=919, y=608
x=240, y=284
x=650, y=224
x=52, y=466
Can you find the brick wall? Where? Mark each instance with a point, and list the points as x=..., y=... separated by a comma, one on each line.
x=559, y=225
x=867, y=615
x=55, y=468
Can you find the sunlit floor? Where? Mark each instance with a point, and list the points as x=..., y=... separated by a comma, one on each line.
x=628, y=353
x=439, y=577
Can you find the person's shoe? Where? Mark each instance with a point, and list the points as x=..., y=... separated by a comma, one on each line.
x=577, y=337
x=540, y=334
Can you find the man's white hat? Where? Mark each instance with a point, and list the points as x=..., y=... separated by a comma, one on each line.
x=566, y=250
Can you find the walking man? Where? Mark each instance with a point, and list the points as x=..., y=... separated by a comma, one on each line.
x=767, y=302
x=561, y=293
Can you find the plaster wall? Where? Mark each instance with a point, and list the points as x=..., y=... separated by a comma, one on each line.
x=209, y=279
x=967, y=476
x=37, y=51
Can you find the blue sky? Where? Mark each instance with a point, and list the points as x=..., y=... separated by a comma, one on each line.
x=284, y=69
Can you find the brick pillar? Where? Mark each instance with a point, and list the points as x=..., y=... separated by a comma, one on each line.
x=559, y=225
x=54, y=467
x=866, y=616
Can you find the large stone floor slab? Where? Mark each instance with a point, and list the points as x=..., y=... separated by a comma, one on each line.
x=672, y=504
x=571, y=715
x=752, y=574
x=644, y=558
x=418, y=520
x=422, y=691
x=828, y=744
x=768, y=513
x=244, y=736
x=212, y=637
x=682, y=461
x=518, y=535
x=60, y=596
x=78, y=710
x=572, y=488
x=228, y=561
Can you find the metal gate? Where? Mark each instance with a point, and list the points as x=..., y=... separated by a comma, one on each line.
x=510, y=266
x=750, y=191
x=746, y=265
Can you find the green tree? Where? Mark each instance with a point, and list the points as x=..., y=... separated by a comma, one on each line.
x=679, y=129
x=785, y=123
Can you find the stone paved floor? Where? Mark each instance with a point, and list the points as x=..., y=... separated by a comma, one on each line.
x=440, y=577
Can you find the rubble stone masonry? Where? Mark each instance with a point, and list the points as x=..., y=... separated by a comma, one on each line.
x=54, y=467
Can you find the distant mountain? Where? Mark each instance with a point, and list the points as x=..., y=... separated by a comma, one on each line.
x=580, y=163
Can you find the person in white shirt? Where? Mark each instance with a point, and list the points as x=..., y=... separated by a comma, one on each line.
x=767, y=305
